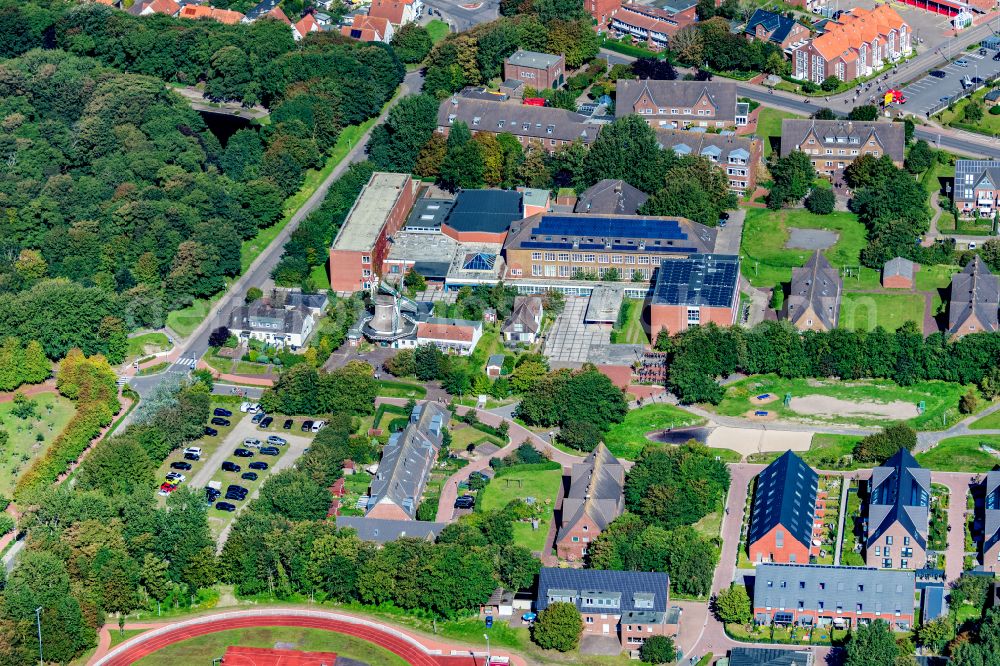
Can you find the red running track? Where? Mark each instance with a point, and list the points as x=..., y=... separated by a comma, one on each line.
x=410, y=653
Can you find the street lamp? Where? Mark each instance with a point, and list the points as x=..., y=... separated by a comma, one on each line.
x=488, y=658
x=38, y=621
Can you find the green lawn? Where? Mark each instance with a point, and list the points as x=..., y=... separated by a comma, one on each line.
x=941, y=399
x=634, y=332
x=962, y=454
x=955, y=117
x=144, y=345
x=765, y=232
x=628, y=438
x=438, y=30
x=989, y=422
x=462, y=437
x=52, y=414
x=937, y=276
x=825, y=448
x=118, y=636
x=320, y=278
x=543, y=485
x=203, y=649
x=769, y=124
x=397, y=389
x=889, y=310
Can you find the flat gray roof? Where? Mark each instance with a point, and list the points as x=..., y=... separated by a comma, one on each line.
x=369, y=212
x=533, y=59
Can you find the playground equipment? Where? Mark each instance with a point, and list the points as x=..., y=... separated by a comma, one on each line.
x=788, y=399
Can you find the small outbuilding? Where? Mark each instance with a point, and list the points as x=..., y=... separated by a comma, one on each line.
x=992, y=98
x=494, y=365
x=898, y=273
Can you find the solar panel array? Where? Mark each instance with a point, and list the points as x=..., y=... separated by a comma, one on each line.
x=612, y=227
x=703, y=279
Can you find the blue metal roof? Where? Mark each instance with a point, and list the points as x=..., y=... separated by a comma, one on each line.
x=699, y=280
x=615, y=227
x=934, y=605
x=786, y=496
x=481, y=261
x=491, y=211
x=777, y=24
x=634, y=587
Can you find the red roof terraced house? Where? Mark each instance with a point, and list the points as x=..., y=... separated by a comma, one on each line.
x=682, y=104
x=647, y=24
x=226, y=16
x=596, y=497
x=859, y=43
x=602, y=10
x=786, y=507
x=369, y=29
x=165, y=7
x=397, y=12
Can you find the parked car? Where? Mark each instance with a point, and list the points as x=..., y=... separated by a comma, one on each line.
x=212, y=494
x=307, y=426
x=210, y=432
x=258, y=417
x=287, y=425
x=180, y=465
x=465, y=502
x=938, y=73
x=176, y=477
x=972, y=245
x=225, y=506
x=258, y=465
x=266, y=422
x=196, y=450
x=269, y=451
x=318, y=425
x=997, y=56
x=192, y=456
x=962, y=62
x=250, y=407
x=251, y=442
x=219, y=421
x=229, y=466
x=277, y=441
x=219, y=411
x=243, y=453
x=235, y=487
x=166, y=488
x=249, y=476
x=982, y=51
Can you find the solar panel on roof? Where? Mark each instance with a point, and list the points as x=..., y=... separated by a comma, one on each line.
x=631, y=227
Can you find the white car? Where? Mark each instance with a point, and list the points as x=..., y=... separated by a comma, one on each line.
x=176, y=477
x=245, y=407
x=252, y=443
x=193, y=450
x=972, y=245
x=318, y=425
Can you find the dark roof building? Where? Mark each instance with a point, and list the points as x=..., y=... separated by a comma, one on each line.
x=824, y=594
x=990, y=547
x=611, y=197
x=381, y=530
x=814, y=301
x=406, y=461
x=847, y=135
x=735, y=156
x=606, y=233
x=932, y=603
x=601, y=591
x=695, y=290
x=595, y=498
x=898, y=511
x=977, y=186
x=427, y=215
x=774, y=27
x=975, y=297
x=524, y=321
x=547, y=127
x=746, y=656
x=482, y=215
x=679, y=104
x=784, y=511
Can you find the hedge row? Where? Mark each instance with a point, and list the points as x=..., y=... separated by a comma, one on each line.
x=528, y=467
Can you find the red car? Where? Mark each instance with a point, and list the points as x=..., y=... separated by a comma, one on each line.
x=167, y=488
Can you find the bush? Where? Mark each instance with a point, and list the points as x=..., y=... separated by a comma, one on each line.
x=428, y=509
x=777, y=297
x=995, y=110
x=558, y=627
x=881, y=446
x=7, y=523
x=659, y=649
x=820, y=201
x=830, y=83
x=968, y=402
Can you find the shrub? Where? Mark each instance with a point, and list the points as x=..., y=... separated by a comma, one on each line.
x=881, y=446
x=7, y=523
x=968, y=402
x=995, y=110
x=558, y=627
x=659, y=649
x=777, y=297
x=830, y=83
x=820, y=201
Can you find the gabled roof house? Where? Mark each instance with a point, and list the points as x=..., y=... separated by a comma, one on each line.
x=784, y=512
x=898, y=513
x=814, y=301
x=595, y=498
x=990, y=545
x=975, y=297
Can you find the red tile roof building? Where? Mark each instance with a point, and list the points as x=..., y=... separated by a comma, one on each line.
x=226, y=16
x=397, y=12
x=602, y=10
x=858, y=44
x=369, y=29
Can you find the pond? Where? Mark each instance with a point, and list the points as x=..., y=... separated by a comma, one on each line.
x=681, y=435
x=223, y=125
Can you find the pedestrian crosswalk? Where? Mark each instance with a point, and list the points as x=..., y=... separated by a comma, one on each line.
x=188, y=361
x=122, y=381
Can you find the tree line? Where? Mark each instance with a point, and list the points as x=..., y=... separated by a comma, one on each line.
x=699, y=355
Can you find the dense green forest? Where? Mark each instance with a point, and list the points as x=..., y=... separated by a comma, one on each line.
x=119, y=204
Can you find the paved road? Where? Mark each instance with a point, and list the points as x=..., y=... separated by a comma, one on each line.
x=460, y=18
x=191, y=349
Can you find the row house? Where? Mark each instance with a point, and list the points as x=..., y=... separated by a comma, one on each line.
x=786, y=510
x=775, y=28
x=898, y=514
x=736, y=156
x=975, y=297
x=833, y=144
x=631, y=606
x=541, y=126
x=655, y=31
x=977, y=187
x=858, y=44
x=808, y=595
x=596, y=497
x=682, y=104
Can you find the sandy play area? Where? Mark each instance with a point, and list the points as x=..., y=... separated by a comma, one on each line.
x=759, y=400
x=827, y=407
x=747, y=441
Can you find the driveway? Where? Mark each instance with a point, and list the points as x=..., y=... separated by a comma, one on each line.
x=958, y=487
x=728, y=240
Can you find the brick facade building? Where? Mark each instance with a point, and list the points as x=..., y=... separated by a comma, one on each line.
x=786, y=507
x=833, y=144
x=538, y=70
x=682, y=104
x=898, y=514
x=595, y=498
x=695, y=290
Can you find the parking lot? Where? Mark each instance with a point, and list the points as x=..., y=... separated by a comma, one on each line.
x=929, y=92
x=218, y=449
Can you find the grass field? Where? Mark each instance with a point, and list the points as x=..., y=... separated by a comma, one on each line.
x=543, y=485
x=462, y=437
x=627, y=439
x=889, y=310
x=437, y=29
x=53, y=412
x=941, y=399
x=765, y=233
x=634, y=332
x=962, y=454
x=989, y=422
x=146, y=344
x=397, y=389
x=769, y=124
x=825, y=447
x=203, y=649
